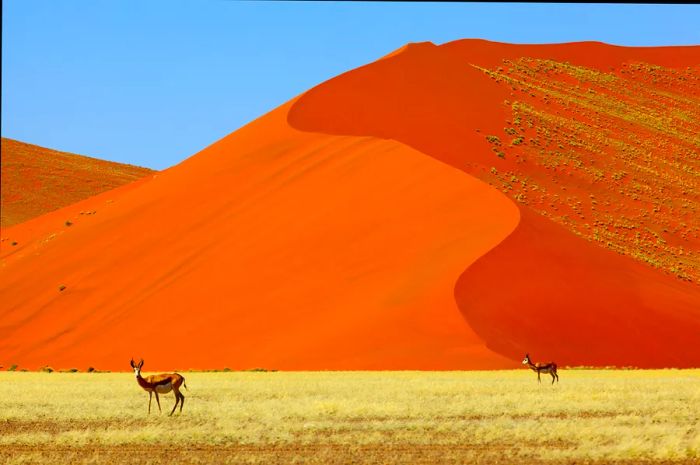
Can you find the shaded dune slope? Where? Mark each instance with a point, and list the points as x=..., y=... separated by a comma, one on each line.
x=542, y=290
x=271, y=248
x=37, y=180
x=577, y=302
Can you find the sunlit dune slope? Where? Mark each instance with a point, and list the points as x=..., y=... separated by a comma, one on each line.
x=619, y=269
x=272, y=248
x=37, y=180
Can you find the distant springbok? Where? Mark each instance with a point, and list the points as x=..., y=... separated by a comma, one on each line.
x=160, y=384
x=550, y=368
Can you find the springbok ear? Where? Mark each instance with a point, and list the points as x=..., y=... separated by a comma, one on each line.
x=132, y=363
x=141, y=363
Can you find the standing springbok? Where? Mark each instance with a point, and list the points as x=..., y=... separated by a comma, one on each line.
x=550, y=368
x=160, y=384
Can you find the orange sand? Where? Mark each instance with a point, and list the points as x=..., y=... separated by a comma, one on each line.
x=37, y=180
x=271, y=248
x=342, y=231
x=578, y=303
x=542, y=290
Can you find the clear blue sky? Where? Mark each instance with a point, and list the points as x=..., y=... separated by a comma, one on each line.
x=153, y=82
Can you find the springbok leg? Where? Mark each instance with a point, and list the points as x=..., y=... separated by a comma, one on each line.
x=177, y=399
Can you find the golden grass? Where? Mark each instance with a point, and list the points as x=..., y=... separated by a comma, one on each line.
x=366, y=417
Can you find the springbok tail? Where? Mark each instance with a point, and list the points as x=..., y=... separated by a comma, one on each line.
x=184, y=383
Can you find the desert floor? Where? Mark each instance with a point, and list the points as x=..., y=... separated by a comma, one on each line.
x=591, y=416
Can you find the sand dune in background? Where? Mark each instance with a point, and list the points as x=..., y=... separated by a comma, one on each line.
x=542, y=290
x=37, y=180
x=271, y=248
x=578, y=303
x=346, y=229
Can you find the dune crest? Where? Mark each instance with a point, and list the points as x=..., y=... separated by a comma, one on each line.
x=543, y=289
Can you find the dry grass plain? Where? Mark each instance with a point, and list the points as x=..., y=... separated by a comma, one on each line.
x=592, y=416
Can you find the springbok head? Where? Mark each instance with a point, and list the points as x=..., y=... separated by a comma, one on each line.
x=526, y=360
x=137, y=367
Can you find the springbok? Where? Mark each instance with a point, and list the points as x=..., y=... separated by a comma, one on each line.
x=160, y=384
x=550, y=368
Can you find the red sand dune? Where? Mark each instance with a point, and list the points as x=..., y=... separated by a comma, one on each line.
x=542, y=290
x=271, y=248
x=578, y=303
x=37, y=180
x=338, y=232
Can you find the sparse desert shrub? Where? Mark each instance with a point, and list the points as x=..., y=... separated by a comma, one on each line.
x=69, y=370
x=493, y=140
x=520, y=198
x=12, y=367
x=62, y=287
x=69, y=223
x=91, y=370
x=47, y=369
x=619, y=175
